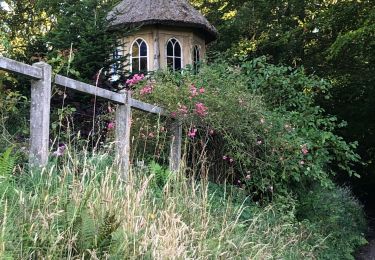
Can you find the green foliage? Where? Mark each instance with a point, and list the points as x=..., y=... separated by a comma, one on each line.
x=162, y=175
x=80, y=41
x=323, y=37
x=13, y=107
x=259, y=123
x=7, y=163
x=338, y=216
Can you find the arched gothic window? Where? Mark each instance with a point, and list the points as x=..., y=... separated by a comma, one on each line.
x=174, y=54
x=139, y=56
x=196, y=57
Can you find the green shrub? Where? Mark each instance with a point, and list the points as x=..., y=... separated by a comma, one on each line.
x=258, y=124
x=337, y=215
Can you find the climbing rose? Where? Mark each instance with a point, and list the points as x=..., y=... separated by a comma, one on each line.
x=182, y=109
x=135, y=79
x=192, y=132
x=146, y=90
x=201, y=109
x=193, y=91
x=111, y=125
x=304, y=149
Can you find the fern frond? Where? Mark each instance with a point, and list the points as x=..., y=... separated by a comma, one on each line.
x=7, y=162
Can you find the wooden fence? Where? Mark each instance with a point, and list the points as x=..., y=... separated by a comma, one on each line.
x=41, y=81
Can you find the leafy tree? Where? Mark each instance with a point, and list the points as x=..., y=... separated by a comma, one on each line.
x=332, y=39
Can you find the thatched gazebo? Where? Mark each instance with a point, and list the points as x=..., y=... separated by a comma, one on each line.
x=171, y=33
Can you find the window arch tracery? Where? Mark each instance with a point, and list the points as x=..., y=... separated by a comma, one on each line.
x=174, y=54
x=139, y=56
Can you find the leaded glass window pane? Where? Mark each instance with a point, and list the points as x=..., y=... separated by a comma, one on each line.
x=135, y=65
x=177, y=64
x=135, y=50
x=143, y=64
x=177, y=50
x=139, y=59
x=174, y=55
x=196, y=58
x=170, y=49
x=143, y=49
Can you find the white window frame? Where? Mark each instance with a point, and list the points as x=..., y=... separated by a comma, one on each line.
x=139, y=54
x=173, y=57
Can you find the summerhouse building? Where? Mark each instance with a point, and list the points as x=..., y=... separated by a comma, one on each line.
x=170, y=34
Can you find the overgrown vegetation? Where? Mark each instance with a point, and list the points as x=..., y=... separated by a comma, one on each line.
x=79, y=208
x=259, y=123
x=259, y=153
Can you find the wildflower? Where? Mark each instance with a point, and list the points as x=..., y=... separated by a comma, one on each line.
x=304, y=149
x=231, y=160
x=259, y=142
x=173, y=114
x=60, y=150
x=201, y=90
x=211, y=132
x=225, y=157
x=111, y=125
x=151, y=135
x=193, y=91
x=135, y=79
x=192, y=132
x=146, y=90
x=302, y=162
x=110, y=109
x=262, y=120
x=248, y=177
x=182, y=109
x=201, y=109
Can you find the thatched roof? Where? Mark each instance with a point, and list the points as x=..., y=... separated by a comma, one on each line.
x=164, y=12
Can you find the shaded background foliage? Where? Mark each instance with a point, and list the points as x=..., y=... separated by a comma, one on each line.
x=332, y=39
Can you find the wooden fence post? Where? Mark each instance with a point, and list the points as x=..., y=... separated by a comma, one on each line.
x=175, y=155
x=40, y=116
x=123, y=123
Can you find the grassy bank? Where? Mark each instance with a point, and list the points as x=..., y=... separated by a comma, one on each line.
x=79, y=208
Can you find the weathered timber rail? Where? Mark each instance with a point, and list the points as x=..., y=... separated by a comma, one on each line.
x=41, y=82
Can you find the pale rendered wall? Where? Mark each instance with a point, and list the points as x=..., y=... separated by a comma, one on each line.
x=187, y=38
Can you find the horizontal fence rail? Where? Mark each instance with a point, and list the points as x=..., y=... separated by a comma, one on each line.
x=41, y=75
x=146, y=107
x=20, y=68
x=89, y=89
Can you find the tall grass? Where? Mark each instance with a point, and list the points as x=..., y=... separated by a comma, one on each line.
x=78, y=208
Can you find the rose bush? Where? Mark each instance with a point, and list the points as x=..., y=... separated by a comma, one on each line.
x=256, y=125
